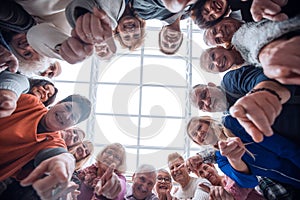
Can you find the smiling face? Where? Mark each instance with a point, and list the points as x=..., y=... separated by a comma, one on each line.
x=103, y=51
x=201, y=132
x=72, y=136
x=81, y=152
x=222, y=32
x=143, y=184
x=61, y=116
x=179, y=172
x=209, y=172
x=218, y=59
x=43, y=92
x=214, y=9
x=21, y=46
x=209, y=98
x=129, y=29
x=170, y=40
x=163, y=182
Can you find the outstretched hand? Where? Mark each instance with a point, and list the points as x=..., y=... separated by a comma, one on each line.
x=269, y=9
x=56, y=183
x=256, y=113
x=109, y=184
x=280, y=60
x=94, y=28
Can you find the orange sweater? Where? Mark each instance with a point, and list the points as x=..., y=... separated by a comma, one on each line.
x=19, y=141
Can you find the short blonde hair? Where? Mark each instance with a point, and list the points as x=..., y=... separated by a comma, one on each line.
x=122, y=167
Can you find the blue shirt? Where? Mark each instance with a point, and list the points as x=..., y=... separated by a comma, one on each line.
x=275, y=157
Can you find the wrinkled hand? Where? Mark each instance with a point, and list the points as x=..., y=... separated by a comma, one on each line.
x=269, y=9
x=256, y=112
x=59, y=169
x=280, y=60
x=94, y=27
x=73, y=50
x=8, y=103
x=217, y=192
x=233, y=148
x=193, y=164
x=109, y=184
x=8, y=60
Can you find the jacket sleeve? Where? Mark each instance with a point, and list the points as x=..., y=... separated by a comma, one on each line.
x=17, y=83
x=242, y=179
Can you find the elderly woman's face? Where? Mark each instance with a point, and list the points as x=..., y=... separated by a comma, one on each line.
x=201, y=133
x=218, y=59
x=163, y=182
x=112, y=155
x=214, y=9
x=130, y=30
x=43, y=92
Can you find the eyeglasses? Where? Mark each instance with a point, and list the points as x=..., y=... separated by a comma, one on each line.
x=110, y=152
x=166, y=179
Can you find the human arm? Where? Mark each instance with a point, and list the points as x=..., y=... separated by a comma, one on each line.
x=11, y=87
x=234, y=149
x=269, y=9
x=280, y=60
x=59, y=169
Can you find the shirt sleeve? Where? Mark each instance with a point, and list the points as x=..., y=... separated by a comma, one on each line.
x=242, y=179
x=48, y=153
x=17, y=83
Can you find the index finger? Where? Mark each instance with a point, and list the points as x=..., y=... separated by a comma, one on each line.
x=108, y=173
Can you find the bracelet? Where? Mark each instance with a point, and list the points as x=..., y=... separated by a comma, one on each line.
x=268, y=90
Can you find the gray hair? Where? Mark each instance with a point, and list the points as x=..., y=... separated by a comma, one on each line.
x=145, y=168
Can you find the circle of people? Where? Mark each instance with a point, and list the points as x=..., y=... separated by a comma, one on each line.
x=255, y=145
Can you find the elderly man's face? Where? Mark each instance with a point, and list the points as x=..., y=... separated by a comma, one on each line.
x=143, y=184
x=178, y=171
x=21, y=46
x=130, y=30
x=209, y=98
x=210, y=173
x=170, y=40
x=222, y=32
